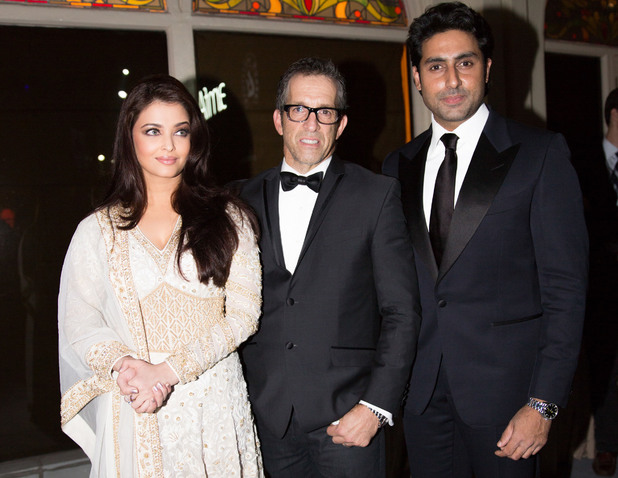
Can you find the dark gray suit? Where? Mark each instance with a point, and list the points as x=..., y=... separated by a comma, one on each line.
x=502, y=316
x=344, y=326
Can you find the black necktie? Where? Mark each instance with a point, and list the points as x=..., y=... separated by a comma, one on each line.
x=290, y=181
x=443, y=202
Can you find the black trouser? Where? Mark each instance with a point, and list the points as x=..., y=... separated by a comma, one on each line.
x=314, y=455
x=441, y=445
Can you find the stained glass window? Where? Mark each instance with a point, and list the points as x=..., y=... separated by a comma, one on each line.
x=148, y=5
x=592, y=21
x=370, y=12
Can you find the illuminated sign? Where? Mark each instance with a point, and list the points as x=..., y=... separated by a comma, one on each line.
x=211, y=102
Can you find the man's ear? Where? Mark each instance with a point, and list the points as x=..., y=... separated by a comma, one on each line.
x=487, y=68
x=277, y=122
x=417, y=78
x=342, y=124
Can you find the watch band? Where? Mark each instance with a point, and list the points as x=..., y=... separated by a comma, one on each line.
x=548, y=410
x=382, y=420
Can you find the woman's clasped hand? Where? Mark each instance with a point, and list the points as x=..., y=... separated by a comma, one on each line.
x=145, y=386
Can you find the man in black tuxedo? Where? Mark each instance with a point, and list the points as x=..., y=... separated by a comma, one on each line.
x=341, y=315
x=598, y=174
x=495, y=214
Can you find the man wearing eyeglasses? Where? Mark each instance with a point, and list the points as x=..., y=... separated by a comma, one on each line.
x=328, y=366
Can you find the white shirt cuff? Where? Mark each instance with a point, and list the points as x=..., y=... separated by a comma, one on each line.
x=388, y=415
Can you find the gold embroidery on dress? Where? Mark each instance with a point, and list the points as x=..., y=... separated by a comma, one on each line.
x=236, y=288
x=80, y=394
x=102, y=356
x=160, y=256
x=223, y=323
x=185, y=365
x=246, y=260
x=121, y=277
x=166, y=329
x=149, y=459
x=116, y=401
x=246, y=318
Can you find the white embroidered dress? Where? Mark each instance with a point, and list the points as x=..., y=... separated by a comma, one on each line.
x=120, y=295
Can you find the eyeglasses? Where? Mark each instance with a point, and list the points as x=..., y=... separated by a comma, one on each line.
x=300, y=113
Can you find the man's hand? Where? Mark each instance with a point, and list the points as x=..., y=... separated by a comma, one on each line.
x=525, y=435
x=355, y=428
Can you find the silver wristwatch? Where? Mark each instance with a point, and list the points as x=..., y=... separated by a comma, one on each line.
x=548, y=411
x=382, y=420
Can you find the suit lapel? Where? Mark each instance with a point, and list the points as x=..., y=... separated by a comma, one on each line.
x=411, y=174
x=271, y=209
x=332, y=178
x=485, y=175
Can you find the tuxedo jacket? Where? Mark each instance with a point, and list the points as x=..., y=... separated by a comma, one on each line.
x=504, y=312
x=343, y=327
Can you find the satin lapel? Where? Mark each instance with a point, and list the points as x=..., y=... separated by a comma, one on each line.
x=485, y=175
x=271, y=209
x=332, y=178
x=411, y=175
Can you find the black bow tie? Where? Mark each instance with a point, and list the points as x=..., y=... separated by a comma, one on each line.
x=290, y=181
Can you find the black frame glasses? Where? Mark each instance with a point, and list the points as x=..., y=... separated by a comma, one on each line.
x=297, y=114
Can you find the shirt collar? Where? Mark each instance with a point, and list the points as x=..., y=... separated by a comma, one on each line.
x=469, y=130
x=610, y=154
x=322, y=167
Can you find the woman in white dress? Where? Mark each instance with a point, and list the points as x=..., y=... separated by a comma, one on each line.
x=159, y=287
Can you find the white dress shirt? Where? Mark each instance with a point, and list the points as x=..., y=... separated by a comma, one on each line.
x=610, y=159
x=468, y=133
x=610, y=155
x=295, y=209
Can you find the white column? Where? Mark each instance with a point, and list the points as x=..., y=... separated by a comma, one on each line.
x=180, y=46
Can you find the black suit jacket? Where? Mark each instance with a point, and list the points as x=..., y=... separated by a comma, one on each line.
x=344, y=326
x=504, y=312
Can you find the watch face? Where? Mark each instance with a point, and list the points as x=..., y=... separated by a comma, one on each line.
x=551, y=411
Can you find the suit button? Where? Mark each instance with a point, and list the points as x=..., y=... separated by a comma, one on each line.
x=441, y=303
x=290, y=301
x=289, y=345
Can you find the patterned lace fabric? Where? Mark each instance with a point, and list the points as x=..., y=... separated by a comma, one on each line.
x=205, y=428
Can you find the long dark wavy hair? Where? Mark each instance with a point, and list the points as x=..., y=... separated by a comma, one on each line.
x=207, y=229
